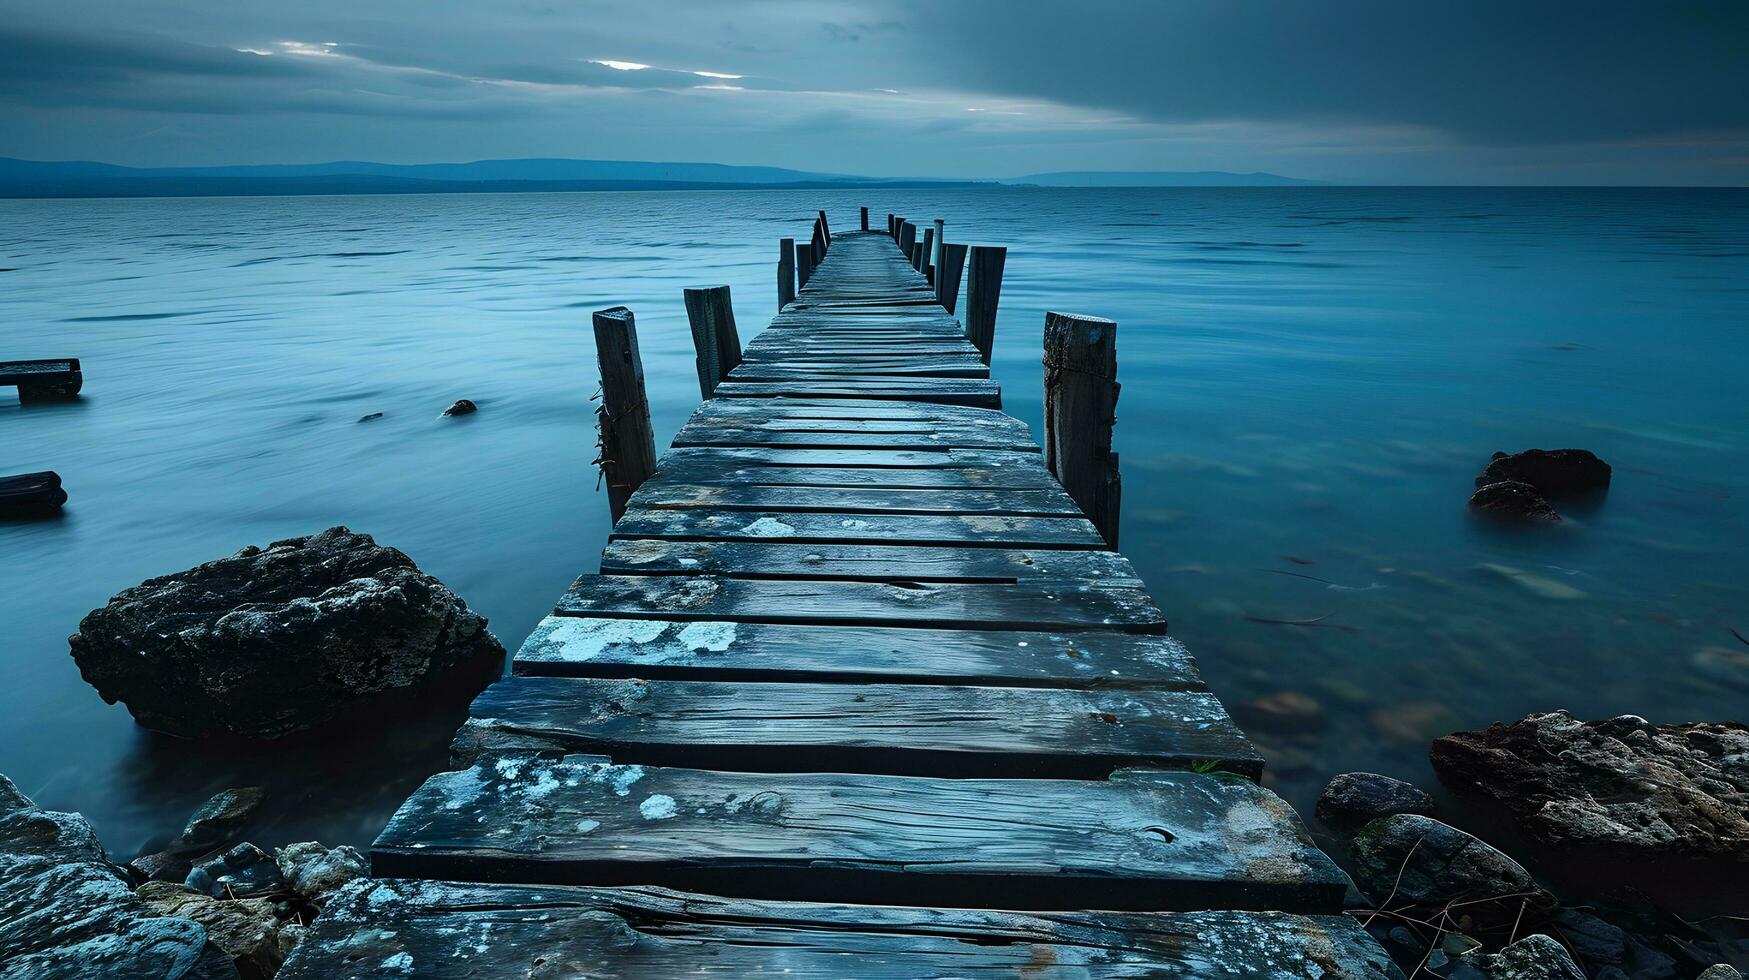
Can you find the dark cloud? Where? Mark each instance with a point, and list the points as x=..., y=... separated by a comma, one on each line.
x=1492, y=71
x=1443, y=90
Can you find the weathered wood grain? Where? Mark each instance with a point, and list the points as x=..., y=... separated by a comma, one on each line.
x=1141, y=841
x=944, y=605
x=453, y=930
x=806, y=527
x=577, y=646
x=855, y=500
x=948, y=391
x=883, y=562
x=893, y=729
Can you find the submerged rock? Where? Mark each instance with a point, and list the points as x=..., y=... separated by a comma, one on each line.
x=1535, y=957
x=1624, y=785
x=219, y=819
x=1414, y=859
x=270, y=641
x=1553, y=472
x=66, y=911
x=1515, y=501
x=1354, y=799
x=461, y=407
x=1284, y=712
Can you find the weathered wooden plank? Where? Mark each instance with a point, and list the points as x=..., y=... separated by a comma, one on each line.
x=951, y=391
x=446, y=930
x=59, y=377
x=850, y=434
x=856, y=500
x=945, y=605
x=778, y=409
x=880, y=562
x=883, y=562
x=893, y=729
x=805, y=527
x=1143, y=840
x=576, y=646
x=970, y=368
x=734, y=457
x=679, y=470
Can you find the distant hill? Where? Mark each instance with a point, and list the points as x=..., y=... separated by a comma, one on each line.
x=82, y=178
x=1158, y=178
x=32, y=178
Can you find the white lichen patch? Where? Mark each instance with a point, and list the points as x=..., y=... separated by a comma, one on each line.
x=585, y=826
x=574, y=639
x=617, y=778
x=852, y=522
x=707, y=637
x=399, y=963
x=657, y=807
x=459, y=789
x=769, y=527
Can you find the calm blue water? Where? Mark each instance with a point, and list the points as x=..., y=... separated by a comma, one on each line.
x=1314, y=373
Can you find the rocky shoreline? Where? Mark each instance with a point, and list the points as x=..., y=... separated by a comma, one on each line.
x=1655, y=816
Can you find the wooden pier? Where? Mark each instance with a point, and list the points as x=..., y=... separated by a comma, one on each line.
x=858, y=692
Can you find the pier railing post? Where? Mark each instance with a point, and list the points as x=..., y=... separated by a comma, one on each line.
x=907, y=236
x=983, y=293
x=940, y=239
x=1080, y=407
x=890, y=232
x=947, y=278
x=825, y=231
x=923, y=265
x=786, y=272
x=628, y=446
x=865, y=219
x=804, y=264
x=712, y=317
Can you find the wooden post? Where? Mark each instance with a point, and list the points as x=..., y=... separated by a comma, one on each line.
x=907, y=236
x=712, y=316
x=819, y=241
x=825, y=231
x=940, y=239
x=947, y=278
x=917, y=256
x=923, y=265
x=804, y=264
x=786, y=272
x=628, y=446
x=890, y=226
x=1080, y=407
x=865, y=219
x=983, y=292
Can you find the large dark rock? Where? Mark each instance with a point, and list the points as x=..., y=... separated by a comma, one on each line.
x=1553, y=472
x=1624, y=785
x=1514, y=501
x=267, y=642
x=219, y=819
x=66, y=911
x=1354, y=799
x=1535, y=957
x=248, y=929
x=316, y=872
x=244, y=871
x=1410, y=859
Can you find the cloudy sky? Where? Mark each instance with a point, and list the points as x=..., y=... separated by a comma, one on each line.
x=1393, y=91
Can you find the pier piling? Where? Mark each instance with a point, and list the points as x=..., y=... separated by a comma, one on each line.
x=628, y=444
x=1080, y=407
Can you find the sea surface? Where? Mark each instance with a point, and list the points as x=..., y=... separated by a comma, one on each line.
x=1311, y=379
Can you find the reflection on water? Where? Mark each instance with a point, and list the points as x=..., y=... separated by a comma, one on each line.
x=1311, y=379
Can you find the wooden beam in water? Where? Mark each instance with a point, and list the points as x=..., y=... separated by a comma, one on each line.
x=628, y=445
x=983, y=294
x=1080, y=407
x=43, y=380
x=711, y=314
x=786, y=272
